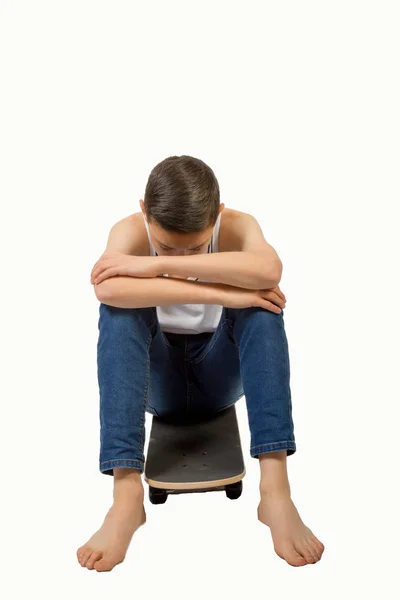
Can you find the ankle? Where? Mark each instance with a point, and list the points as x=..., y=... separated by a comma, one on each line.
x=273, y=491
x=128, y=499
x=127, y=484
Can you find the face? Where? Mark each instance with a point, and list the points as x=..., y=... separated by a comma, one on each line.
x=179, y=244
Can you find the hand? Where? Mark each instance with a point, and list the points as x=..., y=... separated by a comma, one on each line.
x=117, y=263
x=272, y=299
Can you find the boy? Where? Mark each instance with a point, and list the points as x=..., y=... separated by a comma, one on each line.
x=185, y=334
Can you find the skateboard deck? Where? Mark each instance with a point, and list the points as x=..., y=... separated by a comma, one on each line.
x=197, y=456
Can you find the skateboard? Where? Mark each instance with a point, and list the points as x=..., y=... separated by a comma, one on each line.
x=200, y=455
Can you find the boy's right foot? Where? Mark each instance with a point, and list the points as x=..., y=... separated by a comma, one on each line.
x=108, y=546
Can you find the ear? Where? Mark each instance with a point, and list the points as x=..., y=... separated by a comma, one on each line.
x=142, y=209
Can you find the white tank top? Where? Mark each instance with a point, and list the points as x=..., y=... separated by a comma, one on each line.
x=189, y=318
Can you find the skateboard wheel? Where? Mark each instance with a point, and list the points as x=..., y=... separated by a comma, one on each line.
x=234, y=490
x=157, y=496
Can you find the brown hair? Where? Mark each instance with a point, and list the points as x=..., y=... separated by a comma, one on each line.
x=182, y=195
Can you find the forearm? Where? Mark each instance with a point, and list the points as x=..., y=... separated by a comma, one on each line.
x=142, y=292
x=242, y=269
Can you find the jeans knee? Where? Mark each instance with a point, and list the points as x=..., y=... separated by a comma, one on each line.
x=260, y=314
x=118, y=319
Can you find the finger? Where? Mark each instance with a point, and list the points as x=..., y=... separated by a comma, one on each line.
x=105, y=274
x=94, y=274
x=95, y=268
x=100, y=266
x=270, y=306
x=278, y=291
x=274, y=290
x=274, y=298
x=100, y=276
x=279, y=301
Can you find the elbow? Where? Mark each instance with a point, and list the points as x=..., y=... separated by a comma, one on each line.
x=108, y=290
x=273, y=276
x=278, y=272
x=102, y=291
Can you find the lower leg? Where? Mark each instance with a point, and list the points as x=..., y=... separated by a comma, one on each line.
x=123, y=373
x=293, y=540
x=265, y=369
x=273, y=472
x=108, y=546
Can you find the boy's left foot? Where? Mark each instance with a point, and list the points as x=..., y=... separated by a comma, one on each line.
x=293, y=540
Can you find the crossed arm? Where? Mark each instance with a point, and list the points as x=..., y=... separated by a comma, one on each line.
x=251, y=270
x=252, y=264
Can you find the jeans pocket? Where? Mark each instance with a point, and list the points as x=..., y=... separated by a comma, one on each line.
x=167, y=342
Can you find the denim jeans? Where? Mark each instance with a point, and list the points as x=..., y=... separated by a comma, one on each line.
x=186, y=377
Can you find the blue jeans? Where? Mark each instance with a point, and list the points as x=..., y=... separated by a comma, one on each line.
x=188, y=377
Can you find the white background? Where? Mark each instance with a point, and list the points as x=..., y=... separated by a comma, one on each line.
x=295, y=106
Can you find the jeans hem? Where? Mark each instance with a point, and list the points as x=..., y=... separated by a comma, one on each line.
x=289, y=445
x=107, y=466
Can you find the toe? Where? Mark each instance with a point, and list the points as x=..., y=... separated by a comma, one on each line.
x=81, y=553
x=306, y=550
x=313, y=551
x=104, y=564
x=289, y=553
x=318, y=546
x=295, y=559
x=96, y=555
x=85, y=556
x=314, y=546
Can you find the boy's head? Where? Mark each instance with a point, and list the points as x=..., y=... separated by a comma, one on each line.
x=181, y=205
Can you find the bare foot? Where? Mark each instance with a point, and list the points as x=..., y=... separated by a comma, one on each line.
x=293, y=540
x=108, y=546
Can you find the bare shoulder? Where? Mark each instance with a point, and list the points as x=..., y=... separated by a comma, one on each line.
x=129, y=236
x=231, y=222
x=233, y=226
